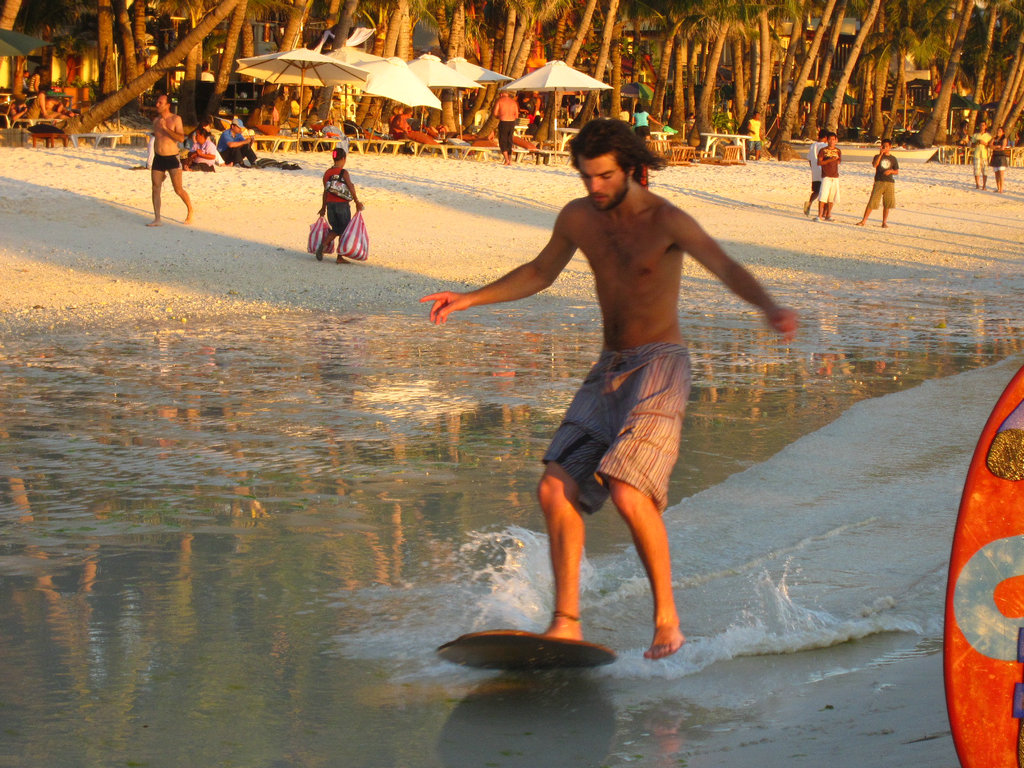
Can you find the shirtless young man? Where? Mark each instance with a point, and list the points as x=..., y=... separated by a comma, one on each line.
x=634, y=241
x=507, y=111
x=168, y=133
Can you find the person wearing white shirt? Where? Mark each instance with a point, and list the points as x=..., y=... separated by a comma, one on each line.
x=812, y=158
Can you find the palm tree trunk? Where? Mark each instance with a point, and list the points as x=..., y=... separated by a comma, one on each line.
x=979, y=83
x=739, y=81
x=110, y=105
x=227, y=61
x=935, y=127
x=664, y=65
x=612, y=30
x=786, y=124
x=581, y=32
x=105, y=46
x=707, y=92
x=832, y=121
x=1016, y=74
x=825, y=72
x=880, y=84
x=9, y=14
x=124, y=27
x=764, y=82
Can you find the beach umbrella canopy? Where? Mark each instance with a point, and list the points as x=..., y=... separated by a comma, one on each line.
x=638, y=90
x=434, y=74
x=355, y=56
x=302, y=67
x=16, y=44
x=392, y=79
x=555, y=76
x=475, y=72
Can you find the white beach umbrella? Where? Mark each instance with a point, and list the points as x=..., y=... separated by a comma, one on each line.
x=434, y=74
x=302, y=67
x=393, y=80
x=553, y=77
x=354, y=56
x=475, y=72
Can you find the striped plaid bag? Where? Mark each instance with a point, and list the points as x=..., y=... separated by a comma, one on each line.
x=355, y=243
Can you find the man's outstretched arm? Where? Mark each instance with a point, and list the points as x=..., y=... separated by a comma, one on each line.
x=699, y=244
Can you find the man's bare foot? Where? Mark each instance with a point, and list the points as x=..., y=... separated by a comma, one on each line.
x=667, y=640
x=155, y=223
x=564, y=627
x=188, y=219
x=860, y=223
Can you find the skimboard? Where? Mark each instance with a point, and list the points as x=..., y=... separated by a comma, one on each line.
x=512, y=649
x=984, y=631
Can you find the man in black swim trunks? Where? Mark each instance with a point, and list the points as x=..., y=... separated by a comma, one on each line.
x=167, y=133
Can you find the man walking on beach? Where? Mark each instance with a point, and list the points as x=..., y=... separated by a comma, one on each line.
x=884, y=190
x=620, y=436
x=507, y=112
x=829, y=158
x=167, y=134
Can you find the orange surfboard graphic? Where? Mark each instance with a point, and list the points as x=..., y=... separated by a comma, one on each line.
x=984, y=630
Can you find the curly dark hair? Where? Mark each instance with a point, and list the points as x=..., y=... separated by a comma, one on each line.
x=605, y=136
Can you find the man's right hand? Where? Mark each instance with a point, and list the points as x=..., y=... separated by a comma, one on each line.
x=445, y=303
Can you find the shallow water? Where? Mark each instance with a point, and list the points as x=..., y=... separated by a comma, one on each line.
x=243, y=543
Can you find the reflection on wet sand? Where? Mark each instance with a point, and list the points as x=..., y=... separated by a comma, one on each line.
x=531, y=720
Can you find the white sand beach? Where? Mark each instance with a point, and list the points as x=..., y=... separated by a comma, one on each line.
x=76, y=252
x=76, y=247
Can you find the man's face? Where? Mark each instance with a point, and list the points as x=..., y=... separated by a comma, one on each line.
x=606, y=182
x=161, y=103
x=832, y=141
x=886, y=146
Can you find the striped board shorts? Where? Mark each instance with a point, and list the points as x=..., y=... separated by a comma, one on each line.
x=624, y=423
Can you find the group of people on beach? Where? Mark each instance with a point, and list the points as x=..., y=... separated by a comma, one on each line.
x=824, y=157
x=987, y=149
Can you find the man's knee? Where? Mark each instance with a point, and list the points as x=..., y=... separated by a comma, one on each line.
x=555, y=487
x=629, y=500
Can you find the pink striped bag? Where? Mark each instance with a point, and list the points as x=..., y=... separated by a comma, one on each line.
x=355, y=243
x=318, y=232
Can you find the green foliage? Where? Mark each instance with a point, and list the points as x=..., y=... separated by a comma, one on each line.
x=723, y=123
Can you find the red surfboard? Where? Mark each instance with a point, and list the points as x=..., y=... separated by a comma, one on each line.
x=984, y=632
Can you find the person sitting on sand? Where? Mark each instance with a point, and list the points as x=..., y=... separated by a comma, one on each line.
x=339, y=191
x=235, y=147
x=884, y=190
x=398, y=125
x=203, y=155
x=620, y=436
x=168, y=132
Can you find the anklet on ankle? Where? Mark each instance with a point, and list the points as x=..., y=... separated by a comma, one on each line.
x=566, y=616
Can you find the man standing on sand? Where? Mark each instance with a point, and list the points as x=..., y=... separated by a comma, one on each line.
x=979, y=155
x=620, y=436
x=829, y=159
x=167, y=134
x=883, y=192
x=507, y=112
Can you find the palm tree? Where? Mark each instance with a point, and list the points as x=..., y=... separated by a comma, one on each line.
x=867, y=22
x=935, y=126
x=104, y=109
x=789, y=117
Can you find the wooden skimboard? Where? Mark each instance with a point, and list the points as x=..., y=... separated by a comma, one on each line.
x=984, y=641
x=512, y=649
